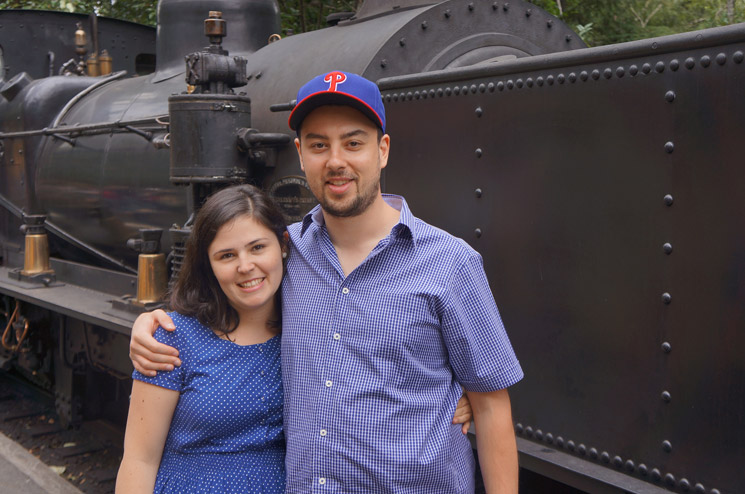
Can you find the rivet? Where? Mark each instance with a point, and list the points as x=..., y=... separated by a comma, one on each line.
x=560, y=78
x=464, y=90
x=550, y=80
x=482, y=88
x=646, y=68
x=560, y=442
x=448, y=91
x=570, y=445
x=479, y=111
x=395, y=96
x=387, y=98
x=539, y=81
x=478, y=193
x=477, y=231
x=456, y=90
x=633, y=70
x=656, y=475
x=529, y=82
x=667, y=298
x=383, y=63
x=643, y=469
x=605, y=457
x=582, y=449
x=620, y=72
x=402, y=42
x=431, y=93
x=447, y=14
x=409, y=95
x=595, y=74
x=470, y=7
x=528, y=429
x=618, y=461
x=715, y=491
x=494, y=6
x=550, y=23
x=721, y=59
x=659, y=67
x=583, y=75
x=490, y=87
x=510, y=84
x=738, y=57
x=705, y=61
x=424, y=24
x=474, y=88
x=670, y=479
x=667, y=347
x=667, y=248
x=549, y=438
x=424, y=94
x=519, y=83
x=700, y=489
x=479, y=153
x=506, y=6
x=670, y=96
x=568, y=38
x=674, y=64
x=607, y=73
x=500, y=86
x=685, y=485
x=539, y=434
x=668, y=200
x=666, y=396
x=528, y=13
x=654, y=45
x=690, y=63
x=667, y=446
x=669, y=147
x=439, y=91
x=630, y=466
x=593, y=453
x=416, y=94
x=518, y=426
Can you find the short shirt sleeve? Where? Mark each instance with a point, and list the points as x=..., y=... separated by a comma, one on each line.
x=166, y=379
x=479, y=350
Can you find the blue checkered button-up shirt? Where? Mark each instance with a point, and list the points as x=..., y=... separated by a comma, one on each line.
x=373, y=362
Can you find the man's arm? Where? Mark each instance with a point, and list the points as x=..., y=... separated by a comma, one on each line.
x=147, y=354
x=495, y=439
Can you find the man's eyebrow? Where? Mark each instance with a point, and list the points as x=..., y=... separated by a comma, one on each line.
x=353, y=133
x=311, y=135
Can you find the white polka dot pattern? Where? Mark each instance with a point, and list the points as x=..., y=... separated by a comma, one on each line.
x=226, y=433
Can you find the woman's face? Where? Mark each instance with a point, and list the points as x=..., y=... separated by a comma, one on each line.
x=246, y=258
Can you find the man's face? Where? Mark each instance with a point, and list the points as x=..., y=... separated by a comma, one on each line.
x=342, y=159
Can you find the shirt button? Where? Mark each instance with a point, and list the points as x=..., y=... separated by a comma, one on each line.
x=328, y=384
x=322, y=481
x=323, y=432
x=337, y=336
x=345, y=290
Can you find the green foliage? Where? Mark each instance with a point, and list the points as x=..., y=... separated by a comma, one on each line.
x=141, y=11
x=616, y=21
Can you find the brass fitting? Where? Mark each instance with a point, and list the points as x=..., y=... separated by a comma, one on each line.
x=105, y=63
x=152, y=279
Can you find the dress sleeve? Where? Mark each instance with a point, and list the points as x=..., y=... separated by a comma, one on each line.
x=166, y=379
x=479, y=350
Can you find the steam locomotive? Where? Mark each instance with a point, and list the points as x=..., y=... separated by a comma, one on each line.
x=603, y=187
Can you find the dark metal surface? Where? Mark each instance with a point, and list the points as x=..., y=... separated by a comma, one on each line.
x=39, y=42
x=603, y=188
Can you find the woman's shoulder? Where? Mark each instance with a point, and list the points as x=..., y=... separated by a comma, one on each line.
x=188, y=329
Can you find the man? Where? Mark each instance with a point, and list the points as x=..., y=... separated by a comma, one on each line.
x=384, y=318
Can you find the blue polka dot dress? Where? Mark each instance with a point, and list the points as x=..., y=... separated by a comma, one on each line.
x=226, y=433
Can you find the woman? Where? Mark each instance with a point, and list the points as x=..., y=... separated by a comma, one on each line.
x=214, y=424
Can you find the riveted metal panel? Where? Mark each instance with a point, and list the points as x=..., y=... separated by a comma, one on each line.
x=603, y=189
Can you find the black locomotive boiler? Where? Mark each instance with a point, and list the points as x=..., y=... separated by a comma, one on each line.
x=601, y=185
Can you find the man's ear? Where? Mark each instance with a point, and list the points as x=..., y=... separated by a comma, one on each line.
x=383, y=148
x=299, y=154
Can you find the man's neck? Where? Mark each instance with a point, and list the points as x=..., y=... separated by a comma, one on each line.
x=354, y=237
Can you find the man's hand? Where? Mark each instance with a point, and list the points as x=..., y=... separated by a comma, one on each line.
x=463, y=413
x=147, y=354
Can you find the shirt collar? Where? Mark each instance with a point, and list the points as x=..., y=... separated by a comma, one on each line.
x=403, y=229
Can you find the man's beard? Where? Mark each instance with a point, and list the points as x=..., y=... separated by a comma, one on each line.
x=359, y=204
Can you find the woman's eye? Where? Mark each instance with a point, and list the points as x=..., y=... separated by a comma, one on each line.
x=258, y=247
x=226, y=255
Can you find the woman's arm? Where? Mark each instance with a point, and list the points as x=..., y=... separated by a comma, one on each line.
x=150, y=412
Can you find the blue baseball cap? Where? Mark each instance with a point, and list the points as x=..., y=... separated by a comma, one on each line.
x=339, y=88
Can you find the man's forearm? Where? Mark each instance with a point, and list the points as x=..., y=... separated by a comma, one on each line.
x=495, y=438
